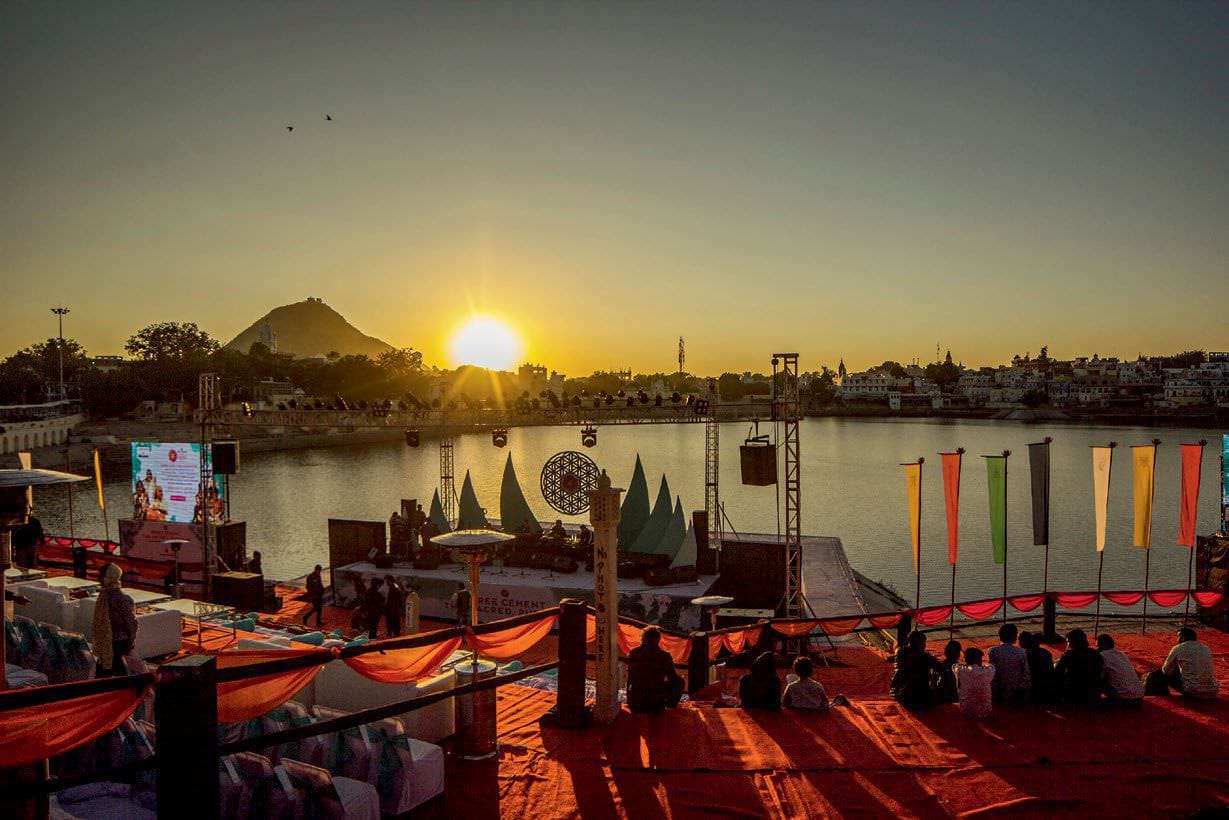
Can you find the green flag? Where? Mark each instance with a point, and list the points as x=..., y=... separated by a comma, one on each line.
x=996, y=482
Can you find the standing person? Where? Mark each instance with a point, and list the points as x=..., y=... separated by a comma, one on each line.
x=916, y=673
x=254, y=564
x=416, y=525
x=462, y=601
x=27, y=538
x=394, y=605
x=373, y=608
x=81, y=561
x=1122, y=684
x=975, y=682
x=1188, y=669
x=760, y=688
x=652, y=683
x=115, y=625
x=1010, y=662
x=1040, y=668
x=315, y=595
x=1078, y=672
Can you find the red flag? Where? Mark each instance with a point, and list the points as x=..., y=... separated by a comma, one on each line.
x=951, y=497
x=1192, y=462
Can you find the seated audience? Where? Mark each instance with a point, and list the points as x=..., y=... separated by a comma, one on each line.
x=974, y=681
x=652, y=683
x=1188, y=669
x=557, y=531
x=1010, y=662
x=1122, y=684
x=585, y=537
x=1078, y=672
x=806, y=693
x=761, y=688
x=1040, y=668
x=948, y=692
x=915, y=678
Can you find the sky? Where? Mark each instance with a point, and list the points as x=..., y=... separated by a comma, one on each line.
x=844, y=180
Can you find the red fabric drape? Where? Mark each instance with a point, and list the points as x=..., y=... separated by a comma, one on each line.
x=1124, y=598
x=63, y=542
x=715, y=643
x=38, y=732
x=1075, y=600
x=252, y=697
x=590, y=629
x=1188, y=505
x=836, y=627
x=403, y=665
x=516, y=640
x=794, y=629
x=932, y=615
x=1167, y=598
x=885, y=621
x=1026, y=603
x=1208, y=598
x=951, y=502
x=980, y=610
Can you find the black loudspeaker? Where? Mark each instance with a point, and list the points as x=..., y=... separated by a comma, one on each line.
x=226, y=457
x=499, y=437
x=706, y=553
x=245, y=591
x=411, y=438
x=657, y=577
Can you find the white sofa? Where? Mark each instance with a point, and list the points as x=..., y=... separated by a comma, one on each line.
x=158, y=633
x=340, y=687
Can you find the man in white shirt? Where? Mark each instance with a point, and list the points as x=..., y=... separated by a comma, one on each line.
x=1010, y=662
x=1121, y=681
x=1188, y=669
x=973, y=680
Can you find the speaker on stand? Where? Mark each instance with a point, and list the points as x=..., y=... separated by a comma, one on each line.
x=225, y=455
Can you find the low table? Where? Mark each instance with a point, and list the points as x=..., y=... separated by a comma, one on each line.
x=70, y=583
x=144, y=597
x=198, y=611
x=15, y=575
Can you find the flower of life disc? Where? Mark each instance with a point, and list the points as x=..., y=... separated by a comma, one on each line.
x=567, y=478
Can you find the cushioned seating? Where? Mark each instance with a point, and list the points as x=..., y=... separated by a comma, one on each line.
x=46, y=605
x=349, y=752
x=313, y=638
x=409, y=772
x=288, y=716
x=316, y=793
x=99, y=800
x=259, y=786
x=68, y=656
x=340, y=687
x=19, y=678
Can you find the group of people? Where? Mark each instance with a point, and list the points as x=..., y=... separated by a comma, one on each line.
x=1028, y=673
x=395, y=605
x=409, y=533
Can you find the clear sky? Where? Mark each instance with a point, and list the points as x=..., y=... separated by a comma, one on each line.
x=852, y=179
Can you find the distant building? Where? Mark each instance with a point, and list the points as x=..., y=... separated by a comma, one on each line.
x=107, y=363
x=267, y=394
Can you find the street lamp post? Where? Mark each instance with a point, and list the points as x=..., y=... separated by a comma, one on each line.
x=60, y=311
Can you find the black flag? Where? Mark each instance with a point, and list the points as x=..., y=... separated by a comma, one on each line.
x=1039, y=468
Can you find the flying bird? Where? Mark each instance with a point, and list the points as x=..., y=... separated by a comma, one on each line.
x=328, y=117
x=289, y=127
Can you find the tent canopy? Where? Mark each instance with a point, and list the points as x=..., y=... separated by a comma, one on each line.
x=634, y=513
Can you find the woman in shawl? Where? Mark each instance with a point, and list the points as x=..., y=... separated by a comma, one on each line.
x=115, y=624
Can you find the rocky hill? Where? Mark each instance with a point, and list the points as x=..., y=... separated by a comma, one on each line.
x=309, y=328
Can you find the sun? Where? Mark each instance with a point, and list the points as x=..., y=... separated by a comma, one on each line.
x=484, y=341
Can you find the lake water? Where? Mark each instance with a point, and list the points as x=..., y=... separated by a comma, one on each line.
x=852, y=484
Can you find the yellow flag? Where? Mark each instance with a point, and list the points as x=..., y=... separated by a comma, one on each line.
x=913, y=487
x=1102, y=460
x=102, y=502
x=1144, y=457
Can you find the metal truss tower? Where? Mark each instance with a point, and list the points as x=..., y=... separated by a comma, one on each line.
x=448, y=491
x=209, y=403
x=787, y=411
x=712, y=452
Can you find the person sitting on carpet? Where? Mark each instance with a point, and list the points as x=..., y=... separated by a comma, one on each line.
x=1188, y=669
x=761, y=688
x=652, y=683
x=1122, y=684
x=805, y=694
x=1010, y=662
x=914, y=678
x=975, y=682
x=1040, y=668
x=1078, y=671
x=948, y=692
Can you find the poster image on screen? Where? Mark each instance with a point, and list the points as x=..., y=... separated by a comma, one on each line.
x=166, y=482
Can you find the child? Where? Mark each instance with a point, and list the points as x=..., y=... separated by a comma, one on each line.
x=805, y=694
x=973, y=680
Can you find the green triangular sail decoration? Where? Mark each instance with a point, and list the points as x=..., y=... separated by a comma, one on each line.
x=634, y=513
x=470, y=514
x=659, y=520
x=514, y=511
x=688, y=551
x=437, y=514
x=676, y=531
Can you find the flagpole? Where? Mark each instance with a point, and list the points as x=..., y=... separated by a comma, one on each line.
x=918, y=593
x=1101, y=552
x=1045, y=572
x=1006, y=453
x=1190, y=561
x=1156, y=445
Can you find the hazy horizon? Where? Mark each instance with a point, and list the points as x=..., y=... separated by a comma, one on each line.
x=845, y=180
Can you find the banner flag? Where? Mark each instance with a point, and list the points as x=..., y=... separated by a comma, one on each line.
x=996, y=482
x=951, y=498
x=1144, y=458
x=1039, y=469
x=913, y=487
x=102, y=502
x=1102, y=461
x=1192, y=463
x=1224, y=483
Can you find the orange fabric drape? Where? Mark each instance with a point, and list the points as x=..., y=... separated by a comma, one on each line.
x=252, y=697
x=715, y=642
x=590, y=629
x=794, y=629
x=836, y=627
x=508, y=643
x=403, y=665
x=38, y=732
x=885, y=621
x=678, y=647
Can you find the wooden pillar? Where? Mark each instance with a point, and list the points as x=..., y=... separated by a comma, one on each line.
x=604, y=516
x=186, y=715
x=697, y=664
x=569, y=711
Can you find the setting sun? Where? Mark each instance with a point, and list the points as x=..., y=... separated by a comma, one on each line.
x=487, y=342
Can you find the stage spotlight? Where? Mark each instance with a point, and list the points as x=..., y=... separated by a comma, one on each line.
x=411, y=438
x=588, y=437
x=499, y=437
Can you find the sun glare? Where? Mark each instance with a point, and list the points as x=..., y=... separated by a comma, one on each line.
x=485, y=342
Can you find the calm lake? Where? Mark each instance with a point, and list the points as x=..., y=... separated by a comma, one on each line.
x=853, y=488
